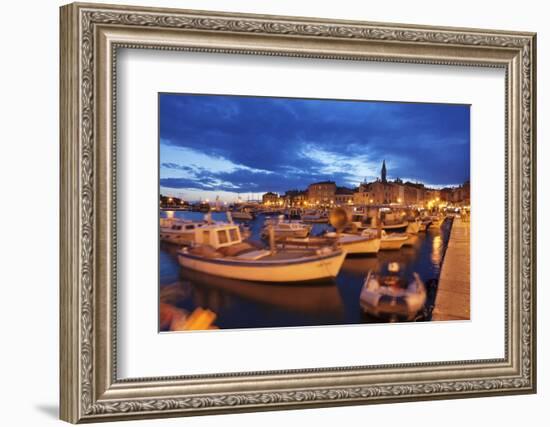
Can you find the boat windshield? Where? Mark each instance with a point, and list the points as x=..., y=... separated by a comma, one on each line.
x=233, y=235
x=222, y=237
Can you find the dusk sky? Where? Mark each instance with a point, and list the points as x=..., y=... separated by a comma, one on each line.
x=212, y=145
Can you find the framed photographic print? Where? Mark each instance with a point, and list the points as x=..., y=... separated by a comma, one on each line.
x=263, y=212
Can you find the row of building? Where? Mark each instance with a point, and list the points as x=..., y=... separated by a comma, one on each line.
x=379, y=192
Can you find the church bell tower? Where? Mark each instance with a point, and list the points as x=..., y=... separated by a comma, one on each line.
x=383, y=175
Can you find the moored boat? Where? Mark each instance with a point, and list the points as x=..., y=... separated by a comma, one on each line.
x=352, y=244
x=178, y=231
x=220, y=251
x=357, y=244
x=393, y=222
x=391, y=297
x=392, y=241
x=284, y=228
x=242, y=215
x=315, y=217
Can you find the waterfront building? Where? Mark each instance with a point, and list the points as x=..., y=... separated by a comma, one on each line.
x=295, y=198
x=270, y=199
x=321, y=193
x=344, y=196
x=456, y=195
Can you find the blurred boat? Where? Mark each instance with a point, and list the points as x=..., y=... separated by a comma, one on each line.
x=392, y=222
x=283, y=228
x=220, y=251
x=414, y=226
x=314, y=216
x=352, y=244
x=390, y=297
x=392, y=241
x=242, y=215
x=178, y=231
x=365, y=244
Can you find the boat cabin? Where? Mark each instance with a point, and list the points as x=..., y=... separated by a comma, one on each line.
x=218, y=236
x=178, y=224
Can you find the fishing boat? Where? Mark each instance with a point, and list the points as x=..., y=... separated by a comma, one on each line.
x=293, y=213
x=414, y=226
x=366, y=244
x=391, y=241
x=284, y=228
x=314, y=217
x=393, y=222
x=352, y=244
x=242, y=215
x=391, y=297
x=178, y=231
x=220, y=251
x=359, y=222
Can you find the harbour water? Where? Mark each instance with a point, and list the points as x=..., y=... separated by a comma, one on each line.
x=240, y=304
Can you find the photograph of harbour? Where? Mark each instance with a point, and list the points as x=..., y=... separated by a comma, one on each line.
x=293, y=212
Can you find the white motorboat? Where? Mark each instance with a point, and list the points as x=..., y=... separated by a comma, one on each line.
x=390, y=297
x=242, y=215
x=413, y=227
x=179, y=231
x=220, y=251
x=390, y=241
x=314, y=217
x=352, y=244
x=358, y=222
x=393, y=222
x=284, y=229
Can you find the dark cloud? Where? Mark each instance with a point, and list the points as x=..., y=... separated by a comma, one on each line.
x=424, y=142
x=244, y=181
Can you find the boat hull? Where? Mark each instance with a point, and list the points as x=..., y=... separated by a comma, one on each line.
x=177, y=238
x=360, y=246
x=307, y=269
x=392, y=244
x=296, y=233
x=413, y=227
x=395, y=228
x=242, y=216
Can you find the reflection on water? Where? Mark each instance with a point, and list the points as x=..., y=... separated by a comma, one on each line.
x=240, y=304
x=437, y=250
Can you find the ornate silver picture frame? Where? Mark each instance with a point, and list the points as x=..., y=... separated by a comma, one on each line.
x=91, y=34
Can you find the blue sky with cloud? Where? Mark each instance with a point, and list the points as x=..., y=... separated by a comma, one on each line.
x=228, y=145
